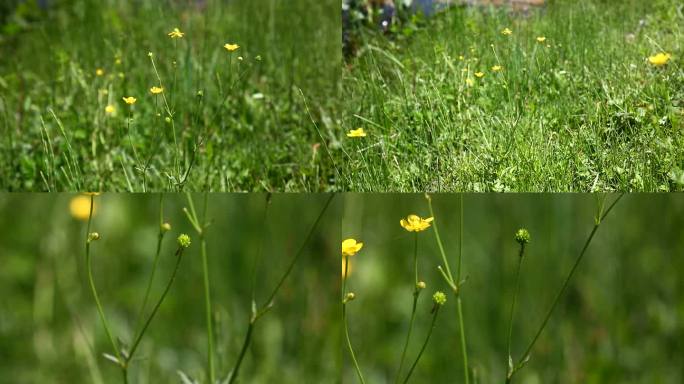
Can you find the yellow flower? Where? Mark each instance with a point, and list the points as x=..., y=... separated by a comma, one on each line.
x=350, y=247
x=506, y=32
x=130, y=100
x=497, y=68
x=460, y=57
x=176, y=34
x=659, y=59
x=99, y=72
x=469, y=82
x=231, y=47
x=479, y=74
x=156, y=90
x=415, y=223
x=110, y=110
x=79, y=207
x=541, y=39
x=356, y=133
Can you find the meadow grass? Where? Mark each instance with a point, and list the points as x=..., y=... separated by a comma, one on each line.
x=568, y=101
x=257, y=118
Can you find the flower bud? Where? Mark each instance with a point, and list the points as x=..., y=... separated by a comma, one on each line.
x=166, y=227
x=93, y=236
x=349, y=297
x=184, y=240
x=522, y=236
x=439, y=298
x=420, y=285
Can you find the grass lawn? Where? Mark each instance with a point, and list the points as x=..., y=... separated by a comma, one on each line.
x=568, y=101
x=254, y=118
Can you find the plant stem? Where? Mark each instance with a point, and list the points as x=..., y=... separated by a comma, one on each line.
x=349, y=346
x=256, y=314
x=416, y=293
x=422, y=349
x=93, y=290
x=160, y=237
x=136, y=343
x=509, y=363
x=597, y=222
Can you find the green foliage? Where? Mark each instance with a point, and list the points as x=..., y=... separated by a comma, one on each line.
x=258, y=118
x=581, y=111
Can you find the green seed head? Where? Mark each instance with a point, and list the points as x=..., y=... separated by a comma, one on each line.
x=522, y=236
x=184, y=240
x=349, y=297
x=439, y=298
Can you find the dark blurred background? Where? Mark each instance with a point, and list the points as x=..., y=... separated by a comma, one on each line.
x=620, y=321
x=48, y=320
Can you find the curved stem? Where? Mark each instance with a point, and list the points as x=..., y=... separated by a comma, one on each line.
x=349, y=345
x=243, y=351
x=422, y=349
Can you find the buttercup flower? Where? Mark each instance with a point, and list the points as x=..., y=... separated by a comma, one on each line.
x=231, y=47
x=110, y=110
x=99, y=72
x=479, y=74
x=350, y=247
x=156, y=90
x=176, y=34
x=469, y=82
x=506, y=32
x=659, y=59
x=497, y=68
x=130, y=100
x=415, y=223
x=541, y=39
x=356, y=133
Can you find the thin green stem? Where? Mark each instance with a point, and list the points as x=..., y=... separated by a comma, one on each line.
x=243, y=351
x=93, y=290
x=515, y=299
x=464, y=350
x=416, y=293
x=349, y=345
x=439, y=244
x=136, y=343
x=160, y=237
x=525, y=356
x=422, y=349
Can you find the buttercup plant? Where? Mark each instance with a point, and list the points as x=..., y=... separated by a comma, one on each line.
x=122, y=355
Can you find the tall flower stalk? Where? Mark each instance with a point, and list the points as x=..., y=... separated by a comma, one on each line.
x=122, y=358
x=454, y=283
x=350, y=247
x=601, y=214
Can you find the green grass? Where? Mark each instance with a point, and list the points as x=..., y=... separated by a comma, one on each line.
x=583, y=111
x=262, y=123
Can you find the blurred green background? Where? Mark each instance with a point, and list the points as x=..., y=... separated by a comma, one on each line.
x=48, y=318
x=620, y=321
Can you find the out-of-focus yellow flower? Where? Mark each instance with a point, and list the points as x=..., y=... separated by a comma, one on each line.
x=659, y=59
x=130, y=100
x=110, y=110
x=350, y=247
x=99, y=72
x=460, y=57
x=176, y=34
x=506, y=32
x=479, y=75
x=469, y=82
x=415, y=223
x=356, y=133
x=156, y=90
x=231, y=47
x=497, y=68
x=79, y=206
x=541, y=39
